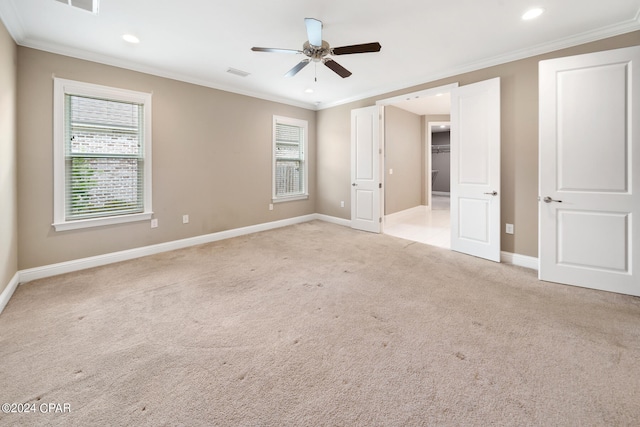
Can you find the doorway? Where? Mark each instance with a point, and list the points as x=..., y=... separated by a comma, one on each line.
x=475, y=166
x=416, y=167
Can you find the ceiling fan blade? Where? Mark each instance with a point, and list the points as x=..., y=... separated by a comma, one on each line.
x=337, y=68
x=274, y=50
x=314, y=31
x=357, y=48
x=292, y=72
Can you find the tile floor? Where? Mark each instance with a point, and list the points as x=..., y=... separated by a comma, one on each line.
x=420, y=224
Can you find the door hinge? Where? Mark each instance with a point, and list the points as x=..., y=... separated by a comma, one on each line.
x=380, y=220
x=380, y=185
x=379, y=150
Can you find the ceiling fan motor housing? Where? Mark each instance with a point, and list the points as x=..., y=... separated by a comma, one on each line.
x=316, y=53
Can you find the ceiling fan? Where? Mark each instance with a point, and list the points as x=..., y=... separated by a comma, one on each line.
x=317, y=50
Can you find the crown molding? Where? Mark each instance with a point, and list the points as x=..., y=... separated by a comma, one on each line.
x=12, y=22
x=128, y=65
x=541, y=49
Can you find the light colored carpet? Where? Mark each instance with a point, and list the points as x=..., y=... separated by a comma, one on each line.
x=319, y=325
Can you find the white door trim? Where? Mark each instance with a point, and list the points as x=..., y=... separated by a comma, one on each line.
x=419, y=94
x=383, y=156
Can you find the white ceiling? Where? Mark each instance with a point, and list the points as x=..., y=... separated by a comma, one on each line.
x=198, y=40
x=426, y=105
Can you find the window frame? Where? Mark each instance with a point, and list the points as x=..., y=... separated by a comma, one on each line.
x=304, y=125
x=63, y=87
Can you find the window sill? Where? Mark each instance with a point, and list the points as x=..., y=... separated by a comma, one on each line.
x=290, y=199
x=99, y=222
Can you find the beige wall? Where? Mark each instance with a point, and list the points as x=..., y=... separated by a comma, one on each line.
x=519, y=121
x=403, y=154
x=8, y=160
x=212, y=156
x=211, y=160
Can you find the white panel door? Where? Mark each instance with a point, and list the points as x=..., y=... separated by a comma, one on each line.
x=365, y=169
x=475, y=169
x=590, y=170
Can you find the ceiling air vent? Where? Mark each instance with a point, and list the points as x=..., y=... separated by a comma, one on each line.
x=237, y=72
x=88, y=5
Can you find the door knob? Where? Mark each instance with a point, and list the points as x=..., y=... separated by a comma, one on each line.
x=548, y=199
x=354, y=185
x=493, y=193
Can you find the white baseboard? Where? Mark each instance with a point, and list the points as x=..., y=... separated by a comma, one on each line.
x=334, y=220
x=11, y=287
x=30, y=274
x=399, y=216
x=441, y=193
x=519, y=260
x=99, y=260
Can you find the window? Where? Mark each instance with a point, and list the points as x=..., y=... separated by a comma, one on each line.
x=289, y=161
x=102, y=155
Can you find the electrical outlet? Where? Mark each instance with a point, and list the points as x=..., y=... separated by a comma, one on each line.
x=342, y=204
x=509, y=229
x=154, y=223
x=185, y=219
x=270, y=206
x=390, y=171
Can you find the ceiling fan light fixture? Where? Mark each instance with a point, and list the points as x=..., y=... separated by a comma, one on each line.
x=532, y=13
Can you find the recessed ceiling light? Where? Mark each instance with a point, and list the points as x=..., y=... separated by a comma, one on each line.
x=443, y=127
x=532, y=13
x=309, y=90
x=130, y=38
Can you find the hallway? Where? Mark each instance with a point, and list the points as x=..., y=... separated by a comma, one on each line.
x=431, y=227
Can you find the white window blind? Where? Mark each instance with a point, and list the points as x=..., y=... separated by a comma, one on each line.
x=104, y=157
x=290, y=169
